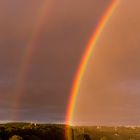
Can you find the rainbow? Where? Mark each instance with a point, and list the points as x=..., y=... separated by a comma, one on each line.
x=86, y=58
x=31, y=46
x=27, y=58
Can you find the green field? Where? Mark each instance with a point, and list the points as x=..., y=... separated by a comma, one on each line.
x=30, y=131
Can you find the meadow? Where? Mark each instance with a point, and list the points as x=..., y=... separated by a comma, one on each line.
x=31, y=131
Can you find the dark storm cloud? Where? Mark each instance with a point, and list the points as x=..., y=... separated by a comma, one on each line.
x=63, y=38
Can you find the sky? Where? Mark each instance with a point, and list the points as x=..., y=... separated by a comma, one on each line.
x=58, y=32
x=59, y=37
x=110, y=90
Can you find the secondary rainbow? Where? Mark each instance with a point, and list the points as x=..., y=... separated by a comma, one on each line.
x=86, y=57
x=27, y=58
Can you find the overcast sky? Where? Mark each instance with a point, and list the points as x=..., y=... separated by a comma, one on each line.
x=63, y=35
x=110, y=91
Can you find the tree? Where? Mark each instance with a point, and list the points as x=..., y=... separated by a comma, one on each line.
x=83, y=137
x=16, y=137
x=32, y=137
x=103, y=138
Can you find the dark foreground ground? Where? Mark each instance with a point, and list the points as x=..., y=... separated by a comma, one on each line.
x=28, y=131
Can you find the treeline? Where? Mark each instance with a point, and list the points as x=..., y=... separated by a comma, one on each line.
x=106, y=133
x=23, y=131
x=31, y=131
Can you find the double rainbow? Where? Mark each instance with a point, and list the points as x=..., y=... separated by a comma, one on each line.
x=27, y=57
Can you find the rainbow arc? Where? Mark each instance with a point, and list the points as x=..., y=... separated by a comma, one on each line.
x=86, y=58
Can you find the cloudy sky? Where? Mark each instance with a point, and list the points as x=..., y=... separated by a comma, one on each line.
x=111, y=84
x=37, y=87
x=59, y=34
